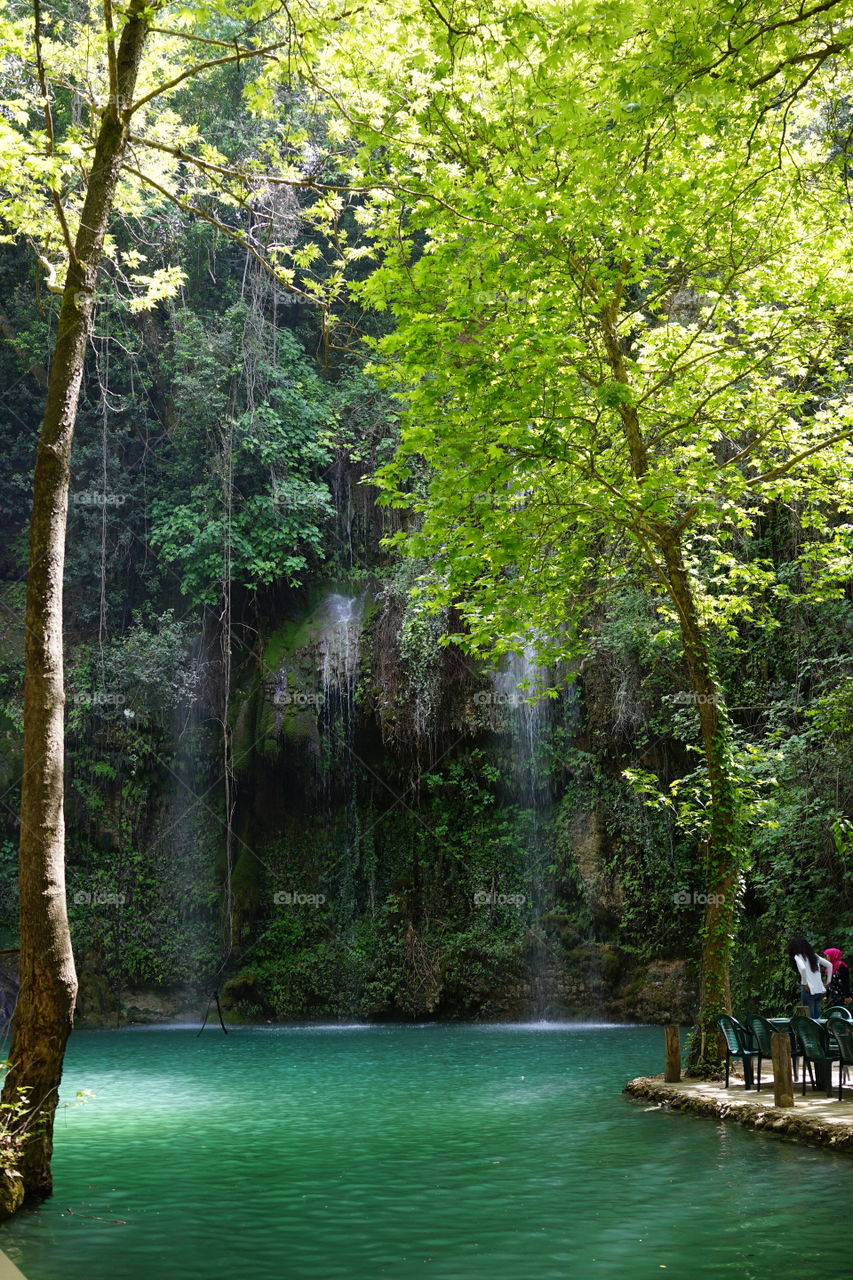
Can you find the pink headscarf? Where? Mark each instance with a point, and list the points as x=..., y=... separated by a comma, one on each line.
x=833, y=954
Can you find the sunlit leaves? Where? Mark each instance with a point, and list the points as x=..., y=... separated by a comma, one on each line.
x=518, y=195
x=44, y=159
x=153, y=288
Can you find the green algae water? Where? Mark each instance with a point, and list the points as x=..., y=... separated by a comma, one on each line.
x=454, y=1152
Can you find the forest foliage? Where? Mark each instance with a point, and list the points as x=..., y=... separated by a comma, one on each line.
x=572, y=284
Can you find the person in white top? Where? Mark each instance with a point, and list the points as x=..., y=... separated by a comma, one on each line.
x=809, y=965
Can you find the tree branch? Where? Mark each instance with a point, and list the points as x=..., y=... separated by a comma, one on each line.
x=111, y=50
x=265, y=51
x=801, y=17
x=240, y=55
x=821, y=54
x=307, y=184
x=785, y=467
x=230, y=232
x=185, y=35
x=51, y=136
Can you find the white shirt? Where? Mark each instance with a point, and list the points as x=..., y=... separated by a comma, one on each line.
x=810, y=977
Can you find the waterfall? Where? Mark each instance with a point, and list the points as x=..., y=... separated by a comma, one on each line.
x=518, y=691
x=190, y=830
x=525, y=712
x=339, y=647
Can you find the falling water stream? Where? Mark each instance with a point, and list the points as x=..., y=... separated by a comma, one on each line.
x=525, y=709
x=339, y=642
x=339, y=645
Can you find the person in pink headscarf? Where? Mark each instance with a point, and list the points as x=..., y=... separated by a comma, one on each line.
x=838, y=990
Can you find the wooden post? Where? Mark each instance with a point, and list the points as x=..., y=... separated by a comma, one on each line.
x=802, y=1011
x=783, y=1082
x=672, y=1055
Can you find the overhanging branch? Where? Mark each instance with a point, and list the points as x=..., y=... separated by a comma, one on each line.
x=231, y=232
x=788, y=466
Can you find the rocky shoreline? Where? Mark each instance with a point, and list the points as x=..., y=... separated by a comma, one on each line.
x=814, y=1119
x=592, y=983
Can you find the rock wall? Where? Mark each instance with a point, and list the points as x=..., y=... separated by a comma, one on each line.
x=413, y=837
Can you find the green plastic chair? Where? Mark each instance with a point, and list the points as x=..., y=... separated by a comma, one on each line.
x=842, y=1030
x=816, y=1048
x=762, y=1030
x=840, y=1011
x=738, y=1045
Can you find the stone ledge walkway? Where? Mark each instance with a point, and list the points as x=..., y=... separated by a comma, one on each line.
x=814, y=1119
x=8, y=1270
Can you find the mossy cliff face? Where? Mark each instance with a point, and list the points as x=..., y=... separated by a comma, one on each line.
x=412, y=835
x=415, y=841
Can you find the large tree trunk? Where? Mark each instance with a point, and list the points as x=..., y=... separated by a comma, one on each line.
x=44, y=1012
x=722, y=848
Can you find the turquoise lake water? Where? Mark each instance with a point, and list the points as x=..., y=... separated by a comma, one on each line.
x=452, y=1152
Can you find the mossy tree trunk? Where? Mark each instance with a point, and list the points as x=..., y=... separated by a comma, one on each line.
x=665, y=546
x=48, y=982
x=721, y=848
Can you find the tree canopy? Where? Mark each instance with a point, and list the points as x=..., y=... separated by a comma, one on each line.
x=618, y=260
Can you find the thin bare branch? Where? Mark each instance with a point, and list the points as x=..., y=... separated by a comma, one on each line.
x=785, y=467
x=51, y=136
x=307, y=184
x=186, y=35
x=265, y=51
x=239, y=55
x=111, y=50
x=231, y=232
x=840, y=46
x=802, y=16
